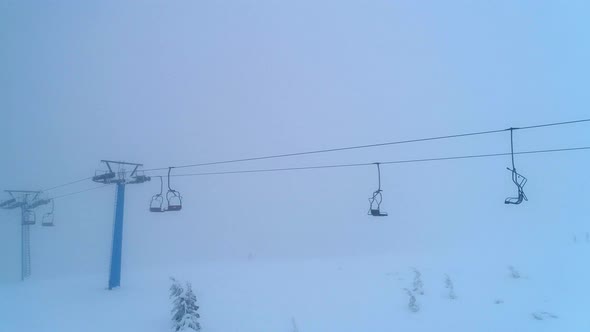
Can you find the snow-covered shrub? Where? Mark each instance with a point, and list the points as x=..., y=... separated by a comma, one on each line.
x=418, y=284
x=449, y=285
x=412, y=304
x=295, y=328
x=184, y=312
x=513, y=272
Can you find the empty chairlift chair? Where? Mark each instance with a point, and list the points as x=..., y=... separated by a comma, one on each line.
x=29, y=217
x=376, y=199
x=173, y=197
x=48, y=217
x=518, y=179
x=157, y=202
x=104, y=177
x=139, y=177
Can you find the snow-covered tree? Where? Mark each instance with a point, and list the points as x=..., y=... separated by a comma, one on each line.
x=175, y=289
x=449, y=285
x=412, y=304
x=418, y=284
x=184, y=312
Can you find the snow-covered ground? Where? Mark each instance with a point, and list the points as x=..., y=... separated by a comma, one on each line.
x=337, y=294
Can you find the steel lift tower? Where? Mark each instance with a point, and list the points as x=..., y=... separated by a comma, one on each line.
x=27, y=201
x=119, y=173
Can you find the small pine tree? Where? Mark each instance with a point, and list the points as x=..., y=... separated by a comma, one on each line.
x=418, y=284
x=449, y=285
x=184, y=313
x=412, y=304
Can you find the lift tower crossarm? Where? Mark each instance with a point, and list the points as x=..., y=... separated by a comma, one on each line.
x=120, y=162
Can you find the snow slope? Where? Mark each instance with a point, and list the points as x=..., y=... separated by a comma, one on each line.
x=332, y=294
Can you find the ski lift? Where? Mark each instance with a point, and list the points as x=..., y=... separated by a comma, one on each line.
x=518, y=179
x=173, y=197
x=29, y=217
x=48, y=217
x=376, y=199
x=157, y=202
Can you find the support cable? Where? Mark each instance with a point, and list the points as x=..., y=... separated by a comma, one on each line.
x=356, y=147
x=345, y=148
x=408, y=161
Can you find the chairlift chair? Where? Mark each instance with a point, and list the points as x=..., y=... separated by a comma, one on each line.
x=518, y=179
x=174, y=200
x=157, y=202
x=103, y=176
x=29, y=217
x=139, y=179
x=377, y=198
x=375, y=204
x=173, y=197
x=48, y=218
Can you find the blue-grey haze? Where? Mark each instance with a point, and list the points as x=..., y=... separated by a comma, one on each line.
x=174, y=82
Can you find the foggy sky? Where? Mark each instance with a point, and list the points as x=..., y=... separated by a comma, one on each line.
x=175, y=82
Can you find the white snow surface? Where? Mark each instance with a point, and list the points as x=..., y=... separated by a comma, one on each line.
x=322, y=295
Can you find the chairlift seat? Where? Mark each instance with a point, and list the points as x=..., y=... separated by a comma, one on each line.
x=103, y=177
x=139, y=179
x=513, y=200
x=29, y=217
x=47, y=222
x=174, y=207
x=378, y=213
x=516, y=200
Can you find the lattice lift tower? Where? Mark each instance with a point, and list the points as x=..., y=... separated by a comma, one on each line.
x=126, y=173
x=27, y=201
